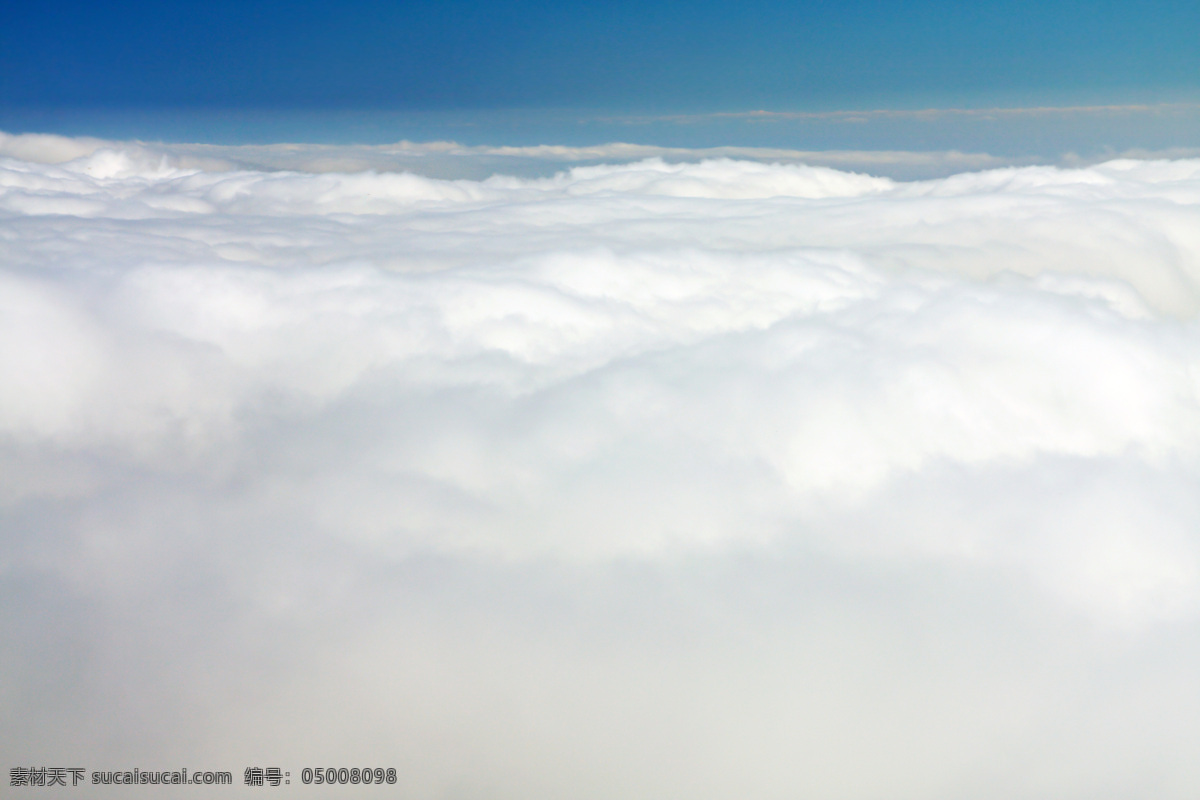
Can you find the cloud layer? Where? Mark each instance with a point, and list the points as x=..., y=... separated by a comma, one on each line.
x=451, y=160
x=720, y=478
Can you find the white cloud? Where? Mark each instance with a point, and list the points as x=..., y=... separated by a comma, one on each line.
x=443, y=159
x=710, y=478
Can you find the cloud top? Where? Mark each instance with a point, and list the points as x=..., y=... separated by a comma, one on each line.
x=993, y=374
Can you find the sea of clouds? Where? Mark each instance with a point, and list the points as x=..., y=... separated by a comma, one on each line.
x=704, y=478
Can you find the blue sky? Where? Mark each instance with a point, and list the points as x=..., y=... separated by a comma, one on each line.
x=531, y=71
x=621, y=55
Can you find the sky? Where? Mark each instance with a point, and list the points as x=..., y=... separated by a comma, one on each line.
x=629, y=400
x=526, y=73
x=627, y=56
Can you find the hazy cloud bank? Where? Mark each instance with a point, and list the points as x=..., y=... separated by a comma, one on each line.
x=705, y=479
x=451, y=160
x=998, y=112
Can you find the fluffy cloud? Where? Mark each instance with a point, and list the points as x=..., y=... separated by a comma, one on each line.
x=721, y=478
x=448, y=160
